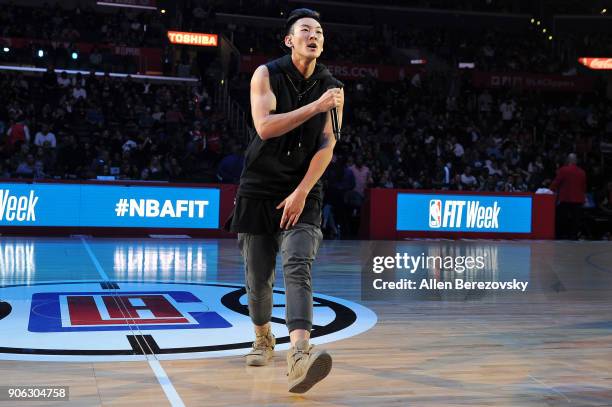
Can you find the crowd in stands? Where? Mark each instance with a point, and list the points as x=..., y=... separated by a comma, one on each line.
x=81, y=24
x=268, y=8
x=525, y=49
x=49, y=35
x=498, y=6
x=83, y=127
x=442, y=133
x=490, y=50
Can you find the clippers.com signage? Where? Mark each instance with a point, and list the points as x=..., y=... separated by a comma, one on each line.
x=343, y=70
x=597, y=63
x=187, y=38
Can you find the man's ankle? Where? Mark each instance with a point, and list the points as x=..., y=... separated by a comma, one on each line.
x=263, y=330
x=299, y=334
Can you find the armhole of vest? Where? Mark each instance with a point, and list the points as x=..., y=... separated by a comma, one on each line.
x=273, y=71
x=273, y=68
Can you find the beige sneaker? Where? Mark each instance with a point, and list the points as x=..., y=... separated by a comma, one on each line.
x=263, y=350
x=306, y=366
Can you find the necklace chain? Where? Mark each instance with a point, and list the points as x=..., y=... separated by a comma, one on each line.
x=301, y=94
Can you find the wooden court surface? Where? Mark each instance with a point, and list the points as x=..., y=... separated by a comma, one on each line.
x=551, y=345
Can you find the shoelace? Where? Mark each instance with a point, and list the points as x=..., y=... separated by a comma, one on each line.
x=297, y=356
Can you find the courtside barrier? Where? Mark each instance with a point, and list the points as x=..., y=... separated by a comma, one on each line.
x=140, y=208
x=114, y=208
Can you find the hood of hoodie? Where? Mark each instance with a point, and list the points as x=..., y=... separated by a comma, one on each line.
x=286, y=64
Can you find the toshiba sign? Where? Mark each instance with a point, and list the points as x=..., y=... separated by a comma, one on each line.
x=203, y=40
x=596, y=63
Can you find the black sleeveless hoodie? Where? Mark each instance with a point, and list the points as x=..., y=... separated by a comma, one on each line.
x=275, y=167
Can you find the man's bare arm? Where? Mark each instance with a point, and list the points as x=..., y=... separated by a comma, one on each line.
x=322, y=158
x=263, y=104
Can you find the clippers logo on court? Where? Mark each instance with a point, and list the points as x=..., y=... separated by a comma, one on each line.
x=125, y=320
x=98, y=311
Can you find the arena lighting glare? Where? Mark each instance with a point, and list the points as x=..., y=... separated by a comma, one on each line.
x=74, y=55
x=544, y=30
x=41, y=53
x=604, y=11
x=6, y=49
x=163, y=11
x=466, y=65
x=100, y=73
x=596, y=63
x=187, y=38
x=532, y=20
x=127, y=4
x=550, y=37
x=538, y=22
x=418, y=61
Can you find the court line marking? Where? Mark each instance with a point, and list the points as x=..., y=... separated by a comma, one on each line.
x=551, y=388
x=95, y=261
x=166, y=384
x=160, y=374
x=590, y=262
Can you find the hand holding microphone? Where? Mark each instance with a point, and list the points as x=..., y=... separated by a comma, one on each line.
x=331, y=99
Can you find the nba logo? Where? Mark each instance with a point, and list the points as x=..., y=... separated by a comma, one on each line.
x=435, y=213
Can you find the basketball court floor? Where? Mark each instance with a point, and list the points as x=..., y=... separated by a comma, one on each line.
x=154, y=322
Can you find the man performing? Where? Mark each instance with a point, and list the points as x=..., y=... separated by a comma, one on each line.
x=278, y=204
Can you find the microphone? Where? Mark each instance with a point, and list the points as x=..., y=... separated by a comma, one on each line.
x=334, y=113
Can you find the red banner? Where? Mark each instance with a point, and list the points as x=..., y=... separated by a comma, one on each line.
x=343, y=70
x=596, y=63
x=531, y=81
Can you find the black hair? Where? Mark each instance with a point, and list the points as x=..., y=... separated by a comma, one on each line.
x=300, y=13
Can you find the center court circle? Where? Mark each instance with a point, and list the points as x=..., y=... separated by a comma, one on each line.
x=124, y=320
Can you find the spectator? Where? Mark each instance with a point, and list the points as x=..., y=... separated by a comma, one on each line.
x=63, y=81
x=26, y=168
x=468, y=180
x=18, y=134
x=95, y=58
x=362, y=176
x=339, y=181
x=570, y=185
x=79, y=92
x=507, y=109
x=599, y=220
x=45, y=138
x=485, y=101
x=231, y=165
